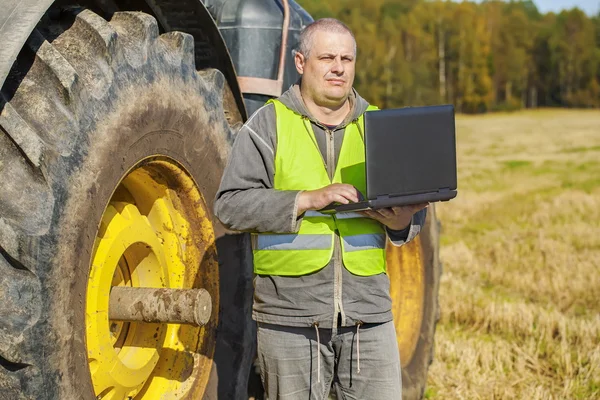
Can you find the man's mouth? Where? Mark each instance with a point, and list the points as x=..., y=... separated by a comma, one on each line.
x=336, y=81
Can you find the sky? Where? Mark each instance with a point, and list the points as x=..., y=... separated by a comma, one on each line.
x=590, y=7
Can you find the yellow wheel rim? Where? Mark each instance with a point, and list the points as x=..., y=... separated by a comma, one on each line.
x=155, y=232
x=406, y=270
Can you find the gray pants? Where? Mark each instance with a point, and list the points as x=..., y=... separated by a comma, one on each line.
x=289, y=361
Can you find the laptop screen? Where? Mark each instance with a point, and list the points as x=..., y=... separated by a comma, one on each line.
x=410, y=150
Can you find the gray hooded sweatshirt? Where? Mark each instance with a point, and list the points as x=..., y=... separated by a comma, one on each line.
x=246, y=201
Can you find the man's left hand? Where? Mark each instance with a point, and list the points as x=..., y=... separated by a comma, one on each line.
x=395, y=218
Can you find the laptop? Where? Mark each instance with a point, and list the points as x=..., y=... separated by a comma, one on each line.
x=410, y=158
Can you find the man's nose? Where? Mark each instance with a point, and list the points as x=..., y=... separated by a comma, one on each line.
x=338, y=66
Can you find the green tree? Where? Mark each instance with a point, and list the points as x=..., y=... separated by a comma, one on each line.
x=575, y=59
x=470, y=49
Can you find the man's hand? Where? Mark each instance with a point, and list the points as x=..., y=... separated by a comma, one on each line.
x=395, y=218
x=317, y=199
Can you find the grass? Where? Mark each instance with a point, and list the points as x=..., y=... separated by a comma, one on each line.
x=520, y=293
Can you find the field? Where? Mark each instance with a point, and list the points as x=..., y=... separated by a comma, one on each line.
x=520, y=291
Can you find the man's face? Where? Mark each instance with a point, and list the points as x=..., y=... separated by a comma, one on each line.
x=328, y=72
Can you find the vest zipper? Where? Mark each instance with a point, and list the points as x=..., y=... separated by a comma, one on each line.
x=337, y=262
x=330, y=154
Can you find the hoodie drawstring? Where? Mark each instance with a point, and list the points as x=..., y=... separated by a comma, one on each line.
x=358, y=324
x=316, y=325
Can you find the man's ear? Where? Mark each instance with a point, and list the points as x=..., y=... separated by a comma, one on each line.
x=299, y=61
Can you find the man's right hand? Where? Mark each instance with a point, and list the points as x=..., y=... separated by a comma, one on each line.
x=342, y=193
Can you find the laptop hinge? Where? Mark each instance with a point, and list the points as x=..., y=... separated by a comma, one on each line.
x=444, y=190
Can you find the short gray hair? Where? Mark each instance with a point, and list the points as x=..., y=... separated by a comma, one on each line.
x=330, y=25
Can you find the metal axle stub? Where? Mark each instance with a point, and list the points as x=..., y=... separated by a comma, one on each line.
x=160, y=305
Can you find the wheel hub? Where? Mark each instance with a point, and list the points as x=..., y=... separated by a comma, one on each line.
x=146, y=240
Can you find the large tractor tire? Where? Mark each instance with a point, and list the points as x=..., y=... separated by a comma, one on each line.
x=112, y=146
x=414, y=270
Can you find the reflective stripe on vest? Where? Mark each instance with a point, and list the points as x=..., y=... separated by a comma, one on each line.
x=299, y=166
x=311, y=213
x=293, y=242
x=364, y=242
x=347, y=215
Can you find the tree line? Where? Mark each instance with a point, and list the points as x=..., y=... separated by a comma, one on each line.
x=480, y=57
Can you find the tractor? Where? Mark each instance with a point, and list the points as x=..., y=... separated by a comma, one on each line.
x=116, y=121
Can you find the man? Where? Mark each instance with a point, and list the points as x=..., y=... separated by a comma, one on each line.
x=322, y=299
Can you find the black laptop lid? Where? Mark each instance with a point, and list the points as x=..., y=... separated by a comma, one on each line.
x=410, y=150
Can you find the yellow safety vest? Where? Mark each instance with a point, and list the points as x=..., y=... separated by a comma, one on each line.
x=299, y=166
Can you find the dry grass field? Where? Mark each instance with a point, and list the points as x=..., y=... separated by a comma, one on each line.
x=520, y=292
